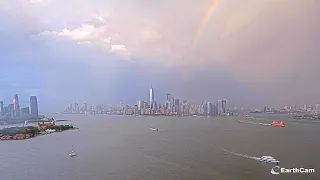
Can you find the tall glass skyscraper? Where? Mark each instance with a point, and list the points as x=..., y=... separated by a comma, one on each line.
x=209, y=108
x=11, y=110
x=224, y=105
x=34, y=106
x=151, y=97
x=16, y=107
x=168, y=100
x=1, y=108
x=220, y=109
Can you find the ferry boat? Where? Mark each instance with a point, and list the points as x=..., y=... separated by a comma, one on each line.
x=277, y=124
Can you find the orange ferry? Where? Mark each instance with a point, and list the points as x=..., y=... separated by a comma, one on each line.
x=278, y=124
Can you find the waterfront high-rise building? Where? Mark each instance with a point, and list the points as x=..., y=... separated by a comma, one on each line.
x=34, y=106
x=209, y=108
x=176, y=105
x=177, y=102
x=167, y=102
x=1, y=108
x=222, y=106
x=70, y=107
x=205, y=108
x=16, y=106
x=11, y=110
x=140, y=105
x=6, y=110
x=151, y=97
x=199, y=108
x=76, y=107
x=155, y=105
x=146, y=105
x=85, y=107
x=213, y=109
x=136, y=110
x=219, y=105
x=172, y=103
x=25, y=111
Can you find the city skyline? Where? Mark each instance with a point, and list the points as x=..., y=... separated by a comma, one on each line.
x=14, y=109
x=174, y=107
x=171, y=106
x=253, y=53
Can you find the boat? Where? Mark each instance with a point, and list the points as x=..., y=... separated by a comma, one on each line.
x=269, y=160
x=154, y=129
x=277, y=124
x=73, y=153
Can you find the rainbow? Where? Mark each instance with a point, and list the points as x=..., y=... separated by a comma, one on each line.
x=205, y=20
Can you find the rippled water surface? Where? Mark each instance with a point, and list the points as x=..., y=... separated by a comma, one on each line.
x=185, y=148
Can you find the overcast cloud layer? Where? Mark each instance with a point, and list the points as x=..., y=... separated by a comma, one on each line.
x=252, y=52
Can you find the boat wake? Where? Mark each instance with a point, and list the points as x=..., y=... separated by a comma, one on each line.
x=265, y=159
x=242, y=155
x=250, y=122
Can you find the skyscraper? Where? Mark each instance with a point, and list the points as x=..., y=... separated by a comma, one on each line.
x=34, y=106
x=172, y=103
x=25, y=111
x=140, y=105
x=176, y=106
x=209, y=109
x=224, y=106
x=168, y=100
x=151, y=97
x=11, y=110
x=85, y=107
x=155, y=105
x=6, y=110
x=213, y=109
x=146, y=105
x=220, y=107
x=205, y=108
x=16, y=106
x=76, y=107
x=1, y=108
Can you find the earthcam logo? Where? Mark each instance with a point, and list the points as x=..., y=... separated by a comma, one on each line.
x=279, y=170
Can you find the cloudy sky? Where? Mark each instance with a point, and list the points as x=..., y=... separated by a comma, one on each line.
x=252, y=52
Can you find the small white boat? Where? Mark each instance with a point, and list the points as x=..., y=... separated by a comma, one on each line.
x=269, y=160
x=73, y=153
x=154, y=129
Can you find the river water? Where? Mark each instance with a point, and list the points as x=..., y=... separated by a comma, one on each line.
x=185, y=148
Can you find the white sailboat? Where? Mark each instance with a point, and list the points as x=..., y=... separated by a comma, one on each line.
x=73, y=153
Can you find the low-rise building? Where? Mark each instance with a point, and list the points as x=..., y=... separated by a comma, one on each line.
x=44, y=126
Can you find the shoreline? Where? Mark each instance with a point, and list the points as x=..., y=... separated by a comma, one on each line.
x=34, y=136
x=30, y=122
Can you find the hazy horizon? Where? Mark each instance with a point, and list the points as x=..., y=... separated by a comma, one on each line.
x=251, y=52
